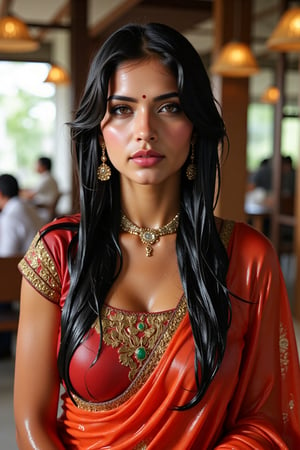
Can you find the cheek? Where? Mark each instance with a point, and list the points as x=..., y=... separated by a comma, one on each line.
x=112, y=137
x=181, y=136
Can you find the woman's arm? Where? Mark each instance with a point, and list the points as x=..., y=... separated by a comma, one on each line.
x=36, y=387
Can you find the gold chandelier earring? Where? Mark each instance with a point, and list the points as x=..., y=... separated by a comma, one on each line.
x=103, y=171
x=191, y=170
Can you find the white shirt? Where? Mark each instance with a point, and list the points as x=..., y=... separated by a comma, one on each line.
x=19, y=222
x=46, y=191
x=45, y=194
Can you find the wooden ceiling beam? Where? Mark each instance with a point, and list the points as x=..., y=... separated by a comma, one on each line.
x=56, y=20
x=145, y=11
x=115, y=14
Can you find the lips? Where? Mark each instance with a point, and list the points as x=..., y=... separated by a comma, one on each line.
x=146, y=154
x=146, y=158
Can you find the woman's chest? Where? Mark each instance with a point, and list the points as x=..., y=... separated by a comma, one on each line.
x=132, y=343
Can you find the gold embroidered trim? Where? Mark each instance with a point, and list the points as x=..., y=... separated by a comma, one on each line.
x=134, y=334
x=290, y=407
x=146, y=369
x=284, y=349
x=226, y=232
x=140, y=446
x=39, y=269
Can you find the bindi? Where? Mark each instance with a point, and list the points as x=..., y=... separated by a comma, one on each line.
x=144, y=96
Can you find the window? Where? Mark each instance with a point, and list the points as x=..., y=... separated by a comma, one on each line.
x=27, y=118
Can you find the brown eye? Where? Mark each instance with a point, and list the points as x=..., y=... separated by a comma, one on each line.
x=170, y=108
x=120, y=110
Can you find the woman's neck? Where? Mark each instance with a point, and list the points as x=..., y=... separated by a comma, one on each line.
x=149, y=206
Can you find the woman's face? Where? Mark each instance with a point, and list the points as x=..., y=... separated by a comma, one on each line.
x=146, y=133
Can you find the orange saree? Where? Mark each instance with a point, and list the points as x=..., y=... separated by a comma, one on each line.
x=253, y=401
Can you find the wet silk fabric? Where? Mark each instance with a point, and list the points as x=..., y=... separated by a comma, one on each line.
x=253, y=401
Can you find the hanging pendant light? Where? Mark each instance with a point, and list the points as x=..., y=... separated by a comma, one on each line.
x=57, y=75
x=15, y=37
x=271, y=95
x=235, y=60
x=286, y=35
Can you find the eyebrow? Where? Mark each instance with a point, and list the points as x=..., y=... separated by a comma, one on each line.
x=134, y=100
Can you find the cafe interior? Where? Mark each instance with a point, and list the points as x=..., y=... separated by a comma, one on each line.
x=251, y=50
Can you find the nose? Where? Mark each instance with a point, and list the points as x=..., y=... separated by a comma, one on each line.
x=145, y=126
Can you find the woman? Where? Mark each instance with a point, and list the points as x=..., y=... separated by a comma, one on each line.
x=161, y=321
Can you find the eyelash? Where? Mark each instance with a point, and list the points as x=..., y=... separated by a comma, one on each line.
x=176, y=108
x=116, y=110
x=173, y=108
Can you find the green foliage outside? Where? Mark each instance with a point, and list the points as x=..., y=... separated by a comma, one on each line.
x=260, y=140
x=26, y=133
x=27, y=120
x=260, y=134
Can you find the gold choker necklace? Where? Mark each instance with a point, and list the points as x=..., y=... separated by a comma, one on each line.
x=149, y=236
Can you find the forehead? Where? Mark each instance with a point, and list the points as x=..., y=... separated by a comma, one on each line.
x=142, y=77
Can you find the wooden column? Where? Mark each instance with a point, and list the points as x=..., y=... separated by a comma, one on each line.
x=234, y=98
x=79, y=47
x=297, y=235
x=79, y=66
x=281, y=68
x=276, y=163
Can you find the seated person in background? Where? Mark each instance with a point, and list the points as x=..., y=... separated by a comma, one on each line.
x=262, y=178
x=258, y=198
x=288, y=176
x=46, y=192
x=19, y=223
x=19, y=220
x=259, y=189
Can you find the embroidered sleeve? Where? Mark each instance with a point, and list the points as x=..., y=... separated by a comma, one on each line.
x=39, y=269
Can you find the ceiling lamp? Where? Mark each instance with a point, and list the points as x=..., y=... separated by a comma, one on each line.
x=286, y=35
x=57, y=75
x=271, y=95
x=15, y=37
x=235, y=60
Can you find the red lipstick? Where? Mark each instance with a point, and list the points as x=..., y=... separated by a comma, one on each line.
x=146, y=158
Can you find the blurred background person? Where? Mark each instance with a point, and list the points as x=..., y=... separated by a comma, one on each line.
x=259, y=198
x=262, y=178
x=19, y=220
x=288, y=176
x=45, y=195
x=19, y=223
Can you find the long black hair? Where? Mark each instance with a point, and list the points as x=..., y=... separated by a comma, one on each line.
x=202, y=258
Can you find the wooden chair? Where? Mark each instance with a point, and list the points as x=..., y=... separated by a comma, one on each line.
x=10, y=284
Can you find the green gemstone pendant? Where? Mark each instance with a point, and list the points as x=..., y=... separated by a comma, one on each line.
x=140, y=353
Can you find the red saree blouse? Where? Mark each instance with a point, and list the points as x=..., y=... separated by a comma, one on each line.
x=253, y=401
